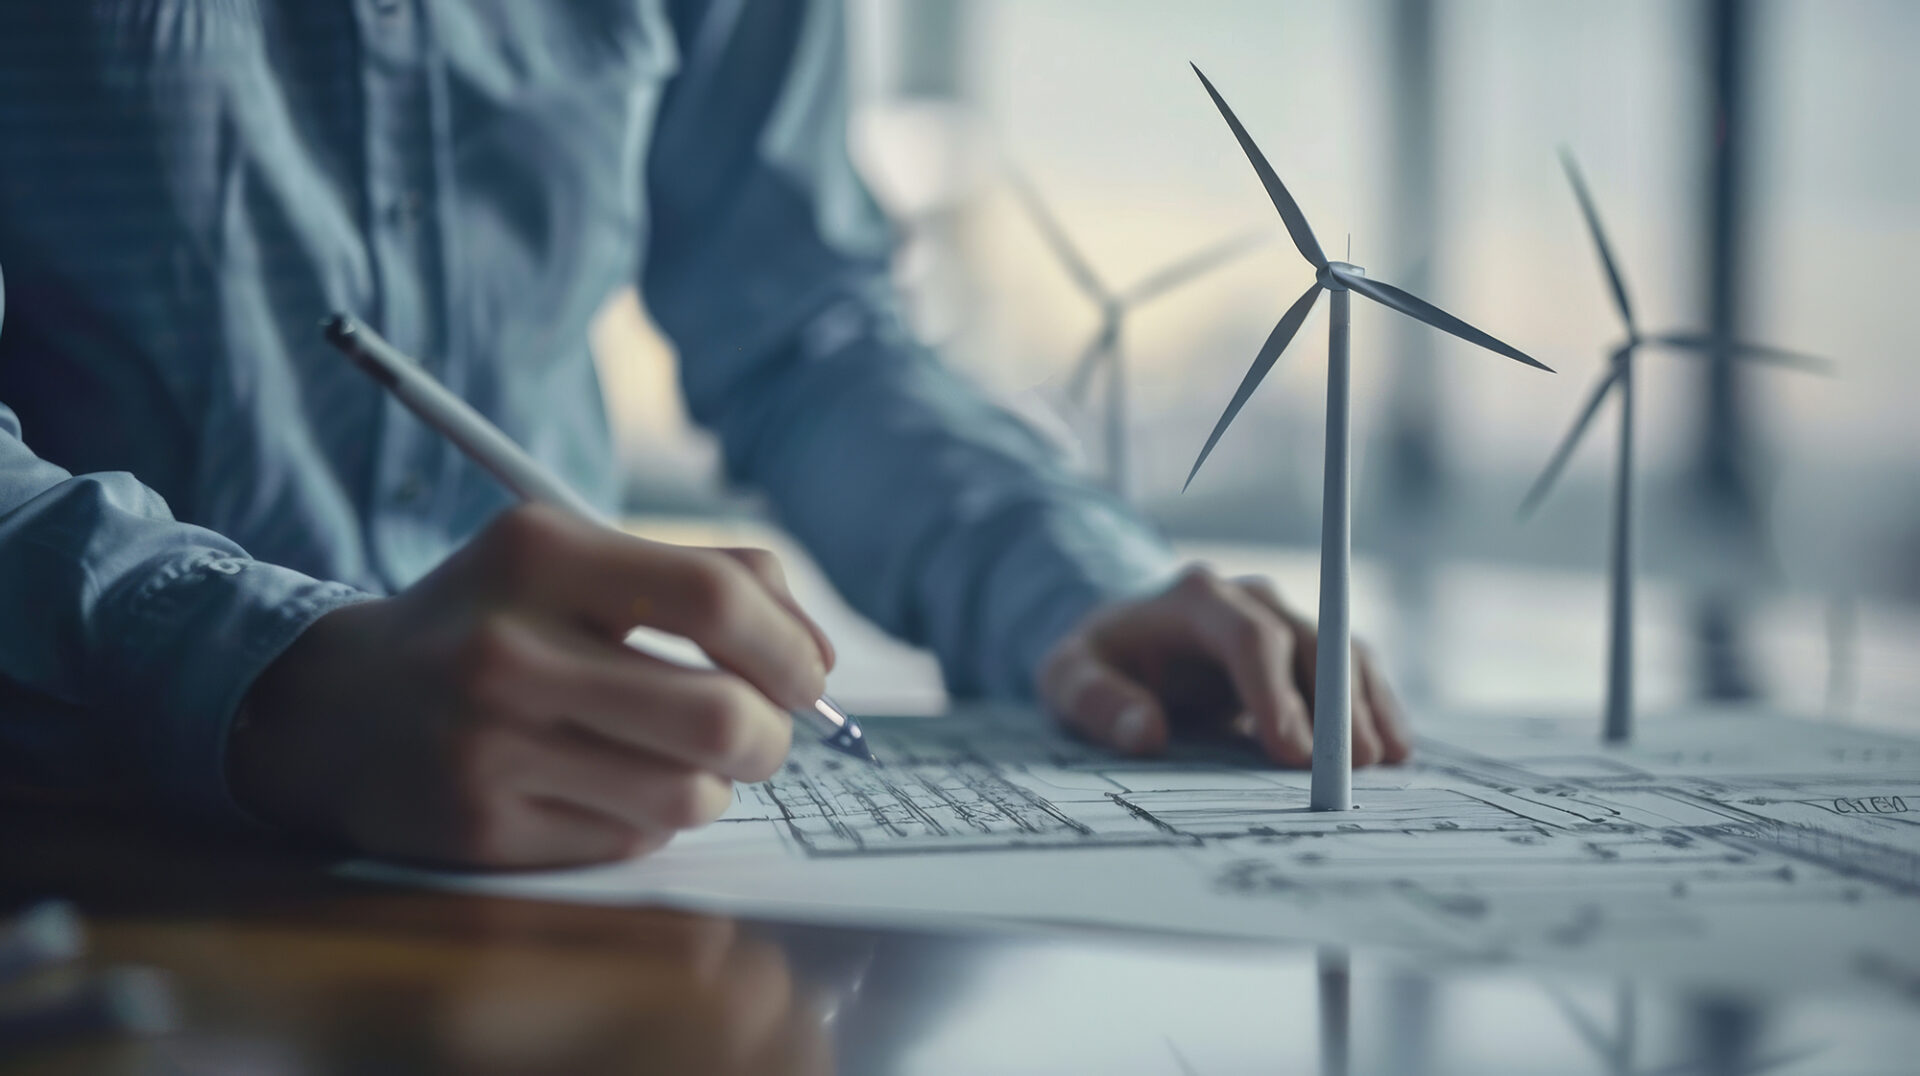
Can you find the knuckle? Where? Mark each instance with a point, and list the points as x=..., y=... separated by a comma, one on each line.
x=713, y=590
x=1248, y=633
x=1263, y=588
x=522, y=538
x=1198, y=581
x=760, y=562
x=491, y=662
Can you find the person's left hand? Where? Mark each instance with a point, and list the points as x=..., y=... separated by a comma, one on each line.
x=1209, y=655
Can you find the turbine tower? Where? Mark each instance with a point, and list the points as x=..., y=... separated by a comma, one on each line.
x=1102, y=355
x=1333, y=673
x=1618, y=717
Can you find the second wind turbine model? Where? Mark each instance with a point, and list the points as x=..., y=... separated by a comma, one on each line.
x=1333, y=673
x=1103, y=351
x=1618, y=720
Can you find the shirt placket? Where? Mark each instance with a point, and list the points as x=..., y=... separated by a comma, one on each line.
x=402, y=241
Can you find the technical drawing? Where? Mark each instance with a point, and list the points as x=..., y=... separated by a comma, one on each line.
x=1748, y=849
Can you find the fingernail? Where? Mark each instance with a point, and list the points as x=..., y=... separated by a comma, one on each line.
x=1130, y=728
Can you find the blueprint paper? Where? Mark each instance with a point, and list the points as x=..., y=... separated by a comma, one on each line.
x=1733, y=847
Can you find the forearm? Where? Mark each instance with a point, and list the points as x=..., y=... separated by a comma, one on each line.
x=937, y=513
x=126, y=637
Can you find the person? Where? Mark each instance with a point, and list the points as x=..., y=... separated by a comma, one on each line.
x=241, y=584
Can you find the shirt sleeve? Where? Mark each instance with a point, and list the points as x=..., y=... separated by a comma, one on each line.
x=941, y=516
x=126, y=638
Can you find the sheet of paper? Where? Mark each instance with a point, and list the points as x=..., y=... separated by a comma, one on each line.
x=1726, y=846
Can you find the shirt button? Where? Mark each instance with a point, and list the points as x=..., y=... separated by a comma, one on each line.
x=404, y=211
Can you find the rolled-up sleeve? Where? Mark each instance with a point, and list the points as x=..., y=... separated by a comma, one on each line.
x=127, y=639
x=937, y=513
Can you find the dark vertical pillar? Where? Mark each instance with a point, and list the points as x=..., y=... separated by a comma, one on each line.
x=1722, y=448
x=1414, y=439
x=1410, y=490
x=1727, y=499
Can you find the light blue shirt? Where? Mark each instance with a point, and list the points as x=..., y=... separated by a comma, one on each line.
x=188, y=186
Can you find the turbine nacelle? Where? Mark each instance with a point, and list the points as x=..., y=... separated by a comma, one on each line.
x=1331, y=277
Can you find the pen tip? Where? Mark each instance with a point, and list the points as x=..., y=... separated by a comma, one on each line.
x=848, y=741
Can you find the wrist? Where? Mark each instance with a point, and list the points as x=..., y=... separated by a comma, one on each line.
x=276, y=747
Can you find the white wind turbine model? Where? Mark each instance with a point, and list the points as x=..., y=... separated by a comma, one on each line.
x=1618, y=720
x=1333, y=683
x=1102, y=353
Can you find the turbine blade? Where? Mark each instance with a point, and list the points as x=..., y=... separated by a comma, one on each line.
x=1420, y=310
x=1741, y=349
x=1083, y=368
x=1295, y=220
x=1599, y=236
x=1277, y=341
x=1193, y=267
x=1056, y=237
x=1544, y=484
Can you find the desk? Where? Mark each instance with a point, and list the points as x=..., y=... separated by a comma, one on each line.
x=283, y=970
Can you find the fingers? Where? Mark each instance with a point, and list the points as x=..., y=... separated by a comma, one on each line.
x=616, y=582
x=1366, y=741
x=1096, y=700
x=648, y=794
x=537, y=675
x=1378, y=726
x=1389, y=720
x=546, y=797
x=1255, y=645
x=766, y=567
x=701, y=718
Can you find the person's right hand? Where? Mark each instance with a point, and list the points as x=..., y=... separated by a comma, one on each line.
x=491, y=714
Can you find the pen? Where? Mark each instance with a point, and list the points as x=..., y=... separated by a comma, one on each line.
x=486, y=445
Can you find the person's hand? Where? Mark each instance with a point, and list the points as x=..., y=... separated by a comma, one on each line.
x=1209, y=655
x=491, y=715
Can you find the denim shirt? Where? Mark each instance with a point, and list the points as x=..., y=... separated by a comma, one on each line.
x=189, y=476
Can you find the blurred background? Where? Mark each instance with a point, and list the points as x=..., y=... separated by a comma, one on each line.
x=1749, y=161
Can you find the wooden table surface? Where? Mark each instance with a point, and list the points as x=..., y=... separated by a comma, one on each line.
x=282, y=970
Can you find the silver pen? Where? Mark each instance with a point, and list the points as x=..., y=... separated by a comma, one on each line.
x=486, y=445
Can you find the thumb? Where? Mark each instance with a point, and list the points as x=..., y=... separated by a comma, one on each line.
x=1100, y=702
